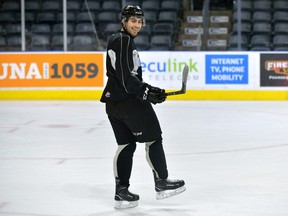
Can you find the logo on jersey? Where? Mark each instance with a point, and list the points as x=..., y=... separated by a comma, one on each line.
x=137, y=133
x=108, y=95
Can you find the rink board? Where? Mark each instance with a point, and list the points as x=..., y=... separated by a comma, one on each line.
x=81, y=75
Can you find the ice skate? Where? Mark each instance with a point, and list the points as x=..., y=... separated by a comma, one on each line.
x=124, y=198
x=166, y=188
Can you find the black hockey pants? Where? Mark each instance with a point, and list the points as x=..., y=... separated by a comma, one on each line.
x=134, y=121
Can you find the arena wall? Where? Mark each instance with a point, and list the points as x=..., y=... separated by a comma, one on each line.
x=81, y=75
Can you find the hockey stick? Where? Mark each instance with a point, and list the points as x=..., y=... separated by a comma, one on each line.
x=184, y=81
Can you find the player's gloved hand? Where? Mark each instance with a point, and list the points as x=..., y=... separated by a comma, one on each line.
x=152, y=94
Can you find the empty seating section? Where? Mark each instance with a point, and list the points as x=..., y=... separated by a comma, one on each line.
x=162, y=21
x=268, y=20
x=169, y=24
x=88, y=22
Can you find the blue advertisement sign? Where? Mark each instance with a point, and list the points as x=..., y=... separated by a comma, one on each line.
x=226, y=69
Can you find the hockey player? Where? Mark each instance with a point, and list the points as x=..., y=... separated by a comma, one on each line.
x=128, y=106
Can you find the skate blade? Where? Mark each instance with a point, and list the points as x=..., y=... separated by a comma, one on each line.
x=169, y=193
x=119, y=205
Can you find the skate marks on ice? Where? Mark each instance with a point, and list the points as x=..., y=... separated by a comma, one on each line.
x=150, y=210
x=85, y=191
x=233, y=157
x=102, y=196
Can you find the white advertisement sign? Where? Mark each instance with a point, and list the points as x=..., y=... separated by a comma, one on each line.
x=208, y=70
x=164, y=69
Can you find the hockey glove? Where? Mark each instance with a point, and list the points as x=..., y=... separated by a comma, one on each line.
x=152, y=94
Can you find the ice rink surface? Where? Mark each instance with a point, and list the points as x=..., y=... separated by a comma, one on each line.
x=56, y=159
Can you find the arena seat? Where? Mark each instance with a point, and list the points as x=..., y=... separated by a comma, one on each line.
x=233, y=41
x=262, y=27
x=262, y=5
x=151, y=17
x=142, y=42
x=111, y=6
x=245, y=28
x=32, y=6
x=41, y=29
x=84, y=43
x=73, y=6
x=84, y=28
x=106, y=17
x=110, y=29
x=280, y=16
x=10, y=6
x=2, y=43
x=12, y=29
x=29, y=17
x=260, y=40
x=46, y=17
x=86, y=17
x=93, y=6
x=14, y=42
x=246, y=16
x=57, y=42
x=163, y=29
x=280, y=40
x=58, y=29
x=262, y=16
x=150, y=5
x=6, y=18
x=161, y=42
x=71, y=17
x=281, y=28
x=52, y=6
x=280, y=5
x=40, y=42
x=169, y=5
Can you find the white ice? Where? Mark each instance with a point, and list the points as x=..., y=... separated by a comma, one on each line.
x=56, y=159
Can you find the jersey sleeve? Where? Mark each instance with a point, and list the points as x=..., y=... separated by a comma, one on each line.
x=127, y=63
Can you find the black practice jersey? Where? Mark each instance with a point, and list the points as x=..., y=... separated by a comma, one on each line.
x=123, y=68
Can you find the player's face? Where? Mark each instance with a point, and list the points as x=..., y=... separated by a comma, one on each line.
x=134, y=25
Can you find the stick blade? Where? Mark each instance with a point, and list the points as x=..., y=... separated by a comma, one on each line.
x=184, y=81
x=185, y=77
x=185, y=74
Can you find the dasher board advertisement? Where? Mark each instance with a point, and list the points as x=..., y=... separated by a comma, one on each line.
x=207, y=70
x=51, y=70
x=274, y=70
